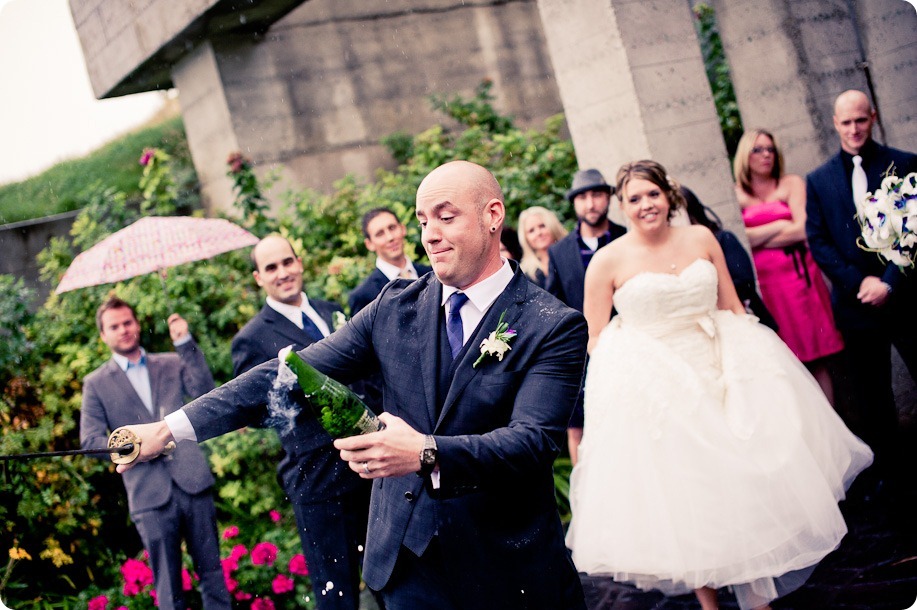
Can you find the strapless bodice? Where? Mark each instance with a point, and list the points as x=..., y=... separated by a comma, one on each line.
x=658, y=303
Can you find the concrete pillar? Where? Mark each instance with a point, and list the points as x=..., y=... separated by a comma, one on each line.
x=790, y=59
x=632, y=81
x=208, y=124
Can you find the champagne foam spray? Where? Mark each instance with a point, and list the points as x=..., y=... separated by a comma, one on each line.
x=282, y=411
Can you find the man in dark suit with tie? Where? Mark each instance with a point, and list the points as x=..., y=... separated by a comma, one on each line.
x=329, y=501
x=169, y=496
x=463, y=513
x=383, y=234
x=873, y=301
x=568, y=259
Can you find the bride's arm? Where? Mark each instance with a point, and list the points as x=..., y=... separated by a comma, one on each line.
x=599, y=293
x=726, y=296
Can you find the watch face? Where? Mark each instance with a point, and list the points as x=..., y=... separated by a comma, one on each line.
x=429, y=456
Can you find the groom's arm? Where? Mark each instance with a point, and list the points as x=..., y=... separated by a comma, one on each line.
x=242, y=401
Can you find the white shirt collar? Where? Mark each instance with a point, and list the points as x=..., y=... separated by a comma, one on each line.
x=484, y=293
x=123, y=362
x=294, y=313
x=391, y=271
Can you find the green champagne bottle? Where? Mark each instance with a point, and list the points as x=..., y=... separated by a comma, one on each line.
x=340, y=411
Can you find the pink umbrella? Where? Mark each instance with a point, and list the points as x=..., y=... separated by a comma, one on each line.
x=153, y=244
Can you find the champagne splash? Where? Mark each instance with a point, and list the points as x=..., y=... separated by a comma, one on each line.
x=282, y=411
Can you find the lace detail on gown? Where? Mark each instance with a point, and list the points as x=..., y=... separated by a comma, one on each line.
x=710, y=456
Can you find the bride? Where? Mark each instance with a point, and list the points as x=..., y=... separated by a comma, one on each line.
x=710, y=456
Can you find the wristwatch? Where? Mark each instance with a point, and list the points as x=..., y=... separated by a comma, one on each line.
x=427, y=456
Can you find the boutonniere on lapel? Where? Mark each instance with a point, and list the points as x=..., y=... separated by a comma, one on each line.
x=338, y=320
x=497, y=343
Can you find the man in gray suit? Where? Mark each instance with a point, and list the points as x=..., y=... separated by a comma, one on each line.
x=170, y=496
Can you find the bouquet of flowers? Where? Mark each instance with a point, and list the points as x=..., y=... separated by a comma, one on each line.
x=889, y=220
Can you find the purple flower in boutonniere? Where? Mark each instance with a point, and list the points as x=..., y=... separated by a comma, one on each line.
x=497, y=343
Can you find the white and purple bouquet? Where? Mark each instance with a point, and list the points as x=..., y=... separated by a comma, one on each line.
x=889, y=220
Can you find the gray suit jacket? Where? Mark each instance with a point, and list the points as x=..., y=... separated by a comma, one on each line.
x=110, y=401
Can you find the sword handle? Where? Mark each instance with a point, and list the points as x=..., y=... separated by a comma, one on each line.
x=122, y=437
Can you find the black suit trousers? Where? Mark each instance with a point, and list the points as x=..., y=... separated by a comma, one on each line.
x=874, y=416
x=323, y=528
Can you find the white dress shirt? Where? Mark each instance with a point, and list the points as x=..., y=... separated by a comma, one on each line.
x=294, y=313
x=480, y=297
x=139, y=376
x=392, y=272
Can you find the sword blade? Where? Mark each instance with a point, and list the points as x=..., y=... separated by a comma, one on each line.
x=122, y=450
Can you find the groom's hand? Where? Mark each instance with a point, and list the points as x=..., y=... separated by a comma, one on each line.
x=153, y=440
x=392, y=452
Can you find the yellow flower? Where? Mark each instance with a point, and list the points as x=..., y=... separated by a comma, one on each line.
x=53, y=552
x=17, y=553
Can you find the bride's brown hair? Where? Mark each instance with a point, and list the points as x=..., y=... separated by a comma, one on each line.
x=652, y=172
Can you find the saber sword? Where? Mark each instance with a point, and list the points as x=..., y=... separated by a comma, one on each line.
x=122, y=450
x=123, y=447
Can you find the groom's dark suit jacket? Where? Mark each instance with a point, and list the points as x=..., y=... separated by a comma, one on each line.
x=311, y=469
x=833, y=230
x=498, y=428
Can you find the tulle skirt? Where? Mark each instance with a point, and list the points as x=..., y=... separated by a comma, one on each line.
x=710, y=457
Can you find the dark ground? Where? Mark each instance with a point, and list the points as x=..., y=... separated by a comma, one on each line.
x=875, y=568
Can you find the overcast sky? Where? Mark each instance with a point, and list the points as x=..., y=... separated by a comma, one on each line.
x=47, y=110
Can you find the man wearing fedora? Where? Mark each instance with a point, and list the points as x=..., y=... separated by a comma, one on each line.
x=568, y=258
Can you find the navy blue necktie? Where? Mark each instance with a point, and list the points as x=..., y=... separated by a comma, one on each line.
x=454, y=329
x=311, y=330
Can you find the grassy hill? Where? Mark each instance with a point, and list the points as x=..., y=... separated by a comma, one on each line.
x=62, y=187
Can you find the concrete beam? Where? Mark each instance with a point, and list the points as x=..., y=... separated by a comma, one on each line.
x=131, y=47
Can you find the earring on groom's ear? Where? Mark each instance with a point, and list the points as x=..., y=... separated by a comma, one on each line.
x=493, y=229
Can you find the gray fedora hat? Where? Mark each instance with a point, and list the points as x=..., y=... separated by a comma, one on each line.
x=588, y=180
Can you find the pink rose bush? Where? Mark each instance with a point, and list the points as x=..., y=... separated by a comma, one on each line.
x=262, y=568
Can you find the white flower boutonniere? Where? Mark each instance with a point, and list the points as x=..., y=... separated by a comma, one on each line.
x=338, y=320
x=497, y=343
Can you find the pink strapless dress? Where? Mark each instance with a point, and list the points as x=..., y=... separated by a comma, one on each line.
x=794, y=290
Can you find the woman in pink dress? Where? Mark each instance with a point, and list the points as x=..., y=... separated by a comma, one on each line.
x=774, y=210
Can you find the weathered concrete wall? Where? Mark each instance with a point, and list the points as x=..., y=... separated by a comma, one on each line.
x=632, y=81
x=21, y=242
x=791, y=58
x=317, y=92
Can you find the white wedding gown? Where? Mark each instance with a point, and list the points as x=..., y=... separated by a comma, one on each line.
x=710, y=456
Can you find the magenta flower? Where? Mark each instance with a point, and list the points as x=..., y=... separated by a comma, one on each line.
x=275, y=516
x=98, y=603
x=242, y=596
x=147, y=156
x=238, y=552
x=230, y=532
x=263, y=603
x=185, y=579
x=264, y=554
x=298, y=565
x=282, y=584
x=137, y=576
x=230, y=565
